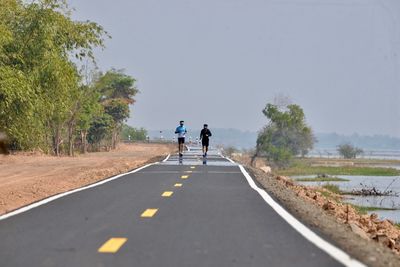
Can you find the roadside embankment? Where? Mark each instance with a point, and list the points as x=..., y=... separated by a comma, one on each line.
x=372, y=241
x=25, y=178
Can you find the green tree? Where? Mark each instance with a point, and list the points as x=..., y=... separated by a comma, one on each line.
x=37, y=41
x=285, y=135
x=114, y=84
x=90, y=109
x=349, y=151
x=133, y=134
x=117, y=93
x=100, y=130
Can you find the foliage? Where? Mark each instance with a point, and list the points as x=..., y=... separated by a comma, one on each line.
x=302, y=167
x=349, y=151
x=117, y=91
x=322, y=179
x=285, y=136
x=43, y=101
x=366, y=209
x=114, y=84
x=133, y=134
x=332, y=188
x=100, y=129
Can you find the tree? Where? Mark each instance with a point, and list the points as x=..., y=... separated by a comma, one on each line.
x=100, y=130
x=117, y=91
x=39, y=84
x=133, y=134
x=349, y=151
x=114, y=84
x=285, y=135
x=90, y=109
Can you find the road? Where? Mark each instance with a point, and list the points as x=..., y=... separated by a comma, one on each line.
x=192, y=213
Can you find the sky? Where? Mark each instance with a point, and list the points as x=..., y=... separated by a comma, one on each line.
x=221, y=61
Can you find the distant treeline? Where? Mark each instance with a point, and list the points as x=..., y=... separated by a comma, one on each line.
x=332, y=140
x=247, y=139
x=221, y=136
x=133, y=134
x=47, y=102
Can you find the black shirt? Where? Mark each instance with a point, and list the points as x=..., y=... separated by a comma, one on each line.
x=205, y=133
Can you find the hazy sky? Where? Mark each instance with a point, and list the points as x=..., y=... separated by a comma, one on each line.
x=221, y=61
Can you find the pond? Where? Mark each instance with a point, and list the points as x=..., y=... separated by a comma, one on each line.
x=381, y=183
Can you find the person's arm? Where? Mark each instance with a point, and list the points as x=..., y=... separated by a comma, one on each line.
x=201, y=134
x=176, y=130
x=209, y=133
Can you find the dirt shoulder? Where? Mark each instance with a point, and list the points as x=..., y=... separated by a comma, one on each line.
x=25, y=179
x=331, y=220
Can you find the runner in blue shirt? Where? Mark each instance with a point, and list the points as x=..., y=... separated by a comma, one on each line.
x=181, y=131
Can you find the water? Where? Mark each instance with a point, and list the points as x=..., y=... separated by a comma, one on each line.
x=368, y=154
x=381, y=183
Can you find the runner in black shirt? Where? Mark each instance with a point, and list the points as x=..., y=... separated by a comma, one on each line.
x=204, y=137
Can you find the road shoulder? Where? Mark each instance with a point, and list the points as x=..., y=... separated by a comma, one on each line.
x=25, y=179
x=372, y=254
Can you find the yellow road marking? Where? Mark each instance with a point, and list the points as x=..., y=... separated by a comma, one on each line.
x=149, y=213
x=167, y=194
x=188, y=171
x=178, y=185
x=185, y=176
x=112, y=245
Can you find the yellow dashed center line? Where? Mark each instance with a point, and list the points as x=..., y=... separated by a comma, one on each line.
x=167, y=194
x=185, y=176
x=149, y=213
x=178, y=185
x=188, y=171
x=112, y=245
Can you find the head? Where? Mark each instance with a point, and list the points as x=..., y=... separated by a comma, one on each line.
x=205, y=126
x=181, y=123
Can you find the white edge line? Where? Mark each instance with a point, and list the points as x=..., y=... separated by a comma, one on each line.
x=331, y=250
x=230, y=160
x=52, y=198
x=166, y=158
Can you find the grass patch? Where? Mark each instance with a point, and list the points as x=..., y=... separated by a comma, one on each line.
x=327, y=194
x=366, y=209
x=397, y=225
x=333, y=188
x=322, y=179
x=302, y=167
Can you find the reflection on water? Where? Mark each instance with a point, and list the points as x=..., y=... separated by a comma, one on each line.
x=381, y=183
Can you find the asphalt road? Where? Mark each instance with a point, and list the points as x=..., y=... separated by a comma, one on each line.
x=168, y=214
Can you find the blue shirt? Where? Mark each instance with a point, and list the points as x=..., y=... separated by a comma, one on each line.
x=181, y=131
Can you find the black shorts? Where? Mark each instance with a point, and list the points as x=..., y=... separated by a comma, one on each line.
x=205, y=142
x=181, y=140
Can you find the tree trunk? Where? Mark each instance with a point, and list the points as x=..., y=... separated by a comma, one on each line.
x=56, y=141
x=83, y=142
x=71, y=138
x=114, y=139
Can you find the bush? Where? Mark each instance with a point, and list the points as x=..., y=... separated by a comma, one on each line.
x=349, y=151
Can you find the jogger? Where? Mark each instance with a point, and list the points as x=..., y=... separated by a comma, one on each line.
x=205, y=140
x=181, y=131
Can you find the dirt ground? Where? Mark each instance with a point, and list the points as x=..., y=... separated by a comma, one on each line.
x=25, y=179
x=323, y=222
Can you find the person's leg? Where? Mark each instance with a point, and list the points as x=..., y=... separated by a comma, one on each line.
x=180, y=145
